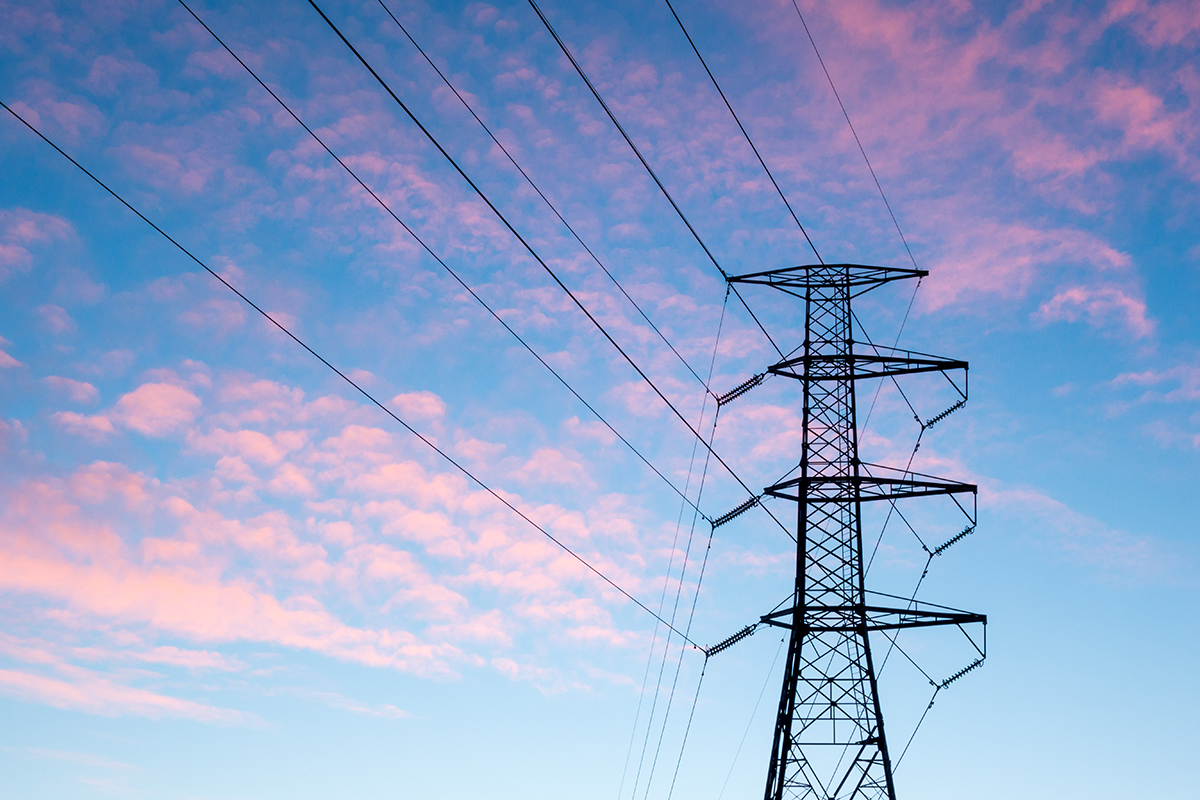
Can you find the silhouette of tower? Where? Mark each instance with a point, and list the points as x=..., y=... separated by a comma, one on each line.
x=829, y=740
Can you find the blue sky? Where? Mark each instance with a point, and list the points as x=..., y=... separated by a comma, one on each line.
x=226, y=575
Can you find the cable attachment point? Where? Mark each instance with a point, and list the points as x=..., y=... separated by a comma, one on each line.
x=973, y=665
x=935, y=420
x=741, y=389
x=737, y=512
x=732, y=640
x=967, y=531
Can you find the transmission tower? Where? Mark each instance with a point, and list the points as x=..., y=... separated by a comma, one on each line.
x=829, y=741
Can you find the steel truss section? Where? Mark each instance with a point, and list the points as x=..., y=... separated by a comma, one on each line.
x=829, y=741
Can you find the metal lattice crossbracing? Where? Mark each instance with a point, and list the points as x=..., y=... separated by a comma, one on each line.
x=829, y=741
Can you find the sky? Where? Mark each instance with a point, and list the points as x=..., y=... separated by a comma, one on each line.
x=225, y=573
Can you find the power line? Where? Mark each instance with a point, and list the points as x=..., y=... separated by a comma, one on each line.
x=692, y=611
x=750, y=723
x=857, y=141
x=878, y=186
x=766, y=169
x=678, y=595
x=531, y=251
x=745, y=133
x=662, y=600
x=688, y=628
x=595, y=93
x=687, y=730
x=441, y=262
x=541, y=194
x=346, y=378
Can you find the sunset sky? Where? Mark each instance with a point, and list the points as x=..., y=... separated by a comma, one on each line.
x=224, y=573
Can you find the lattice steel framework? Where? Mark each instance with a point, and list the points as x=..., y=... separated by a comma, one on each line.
x=829, y=738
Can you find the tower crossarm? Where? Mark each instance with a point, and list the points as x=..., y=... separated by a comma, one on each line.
x=825, y=489
x=796, y=280
x=858, y=617
x=856, y=366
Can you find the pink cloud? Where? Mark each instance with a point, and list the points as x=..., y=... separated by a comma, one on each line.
x=157, y=409
x=1058, y=133
x=94, y=427
x=218, y=62
x=222, y=315
x=263, y=402
x=13, y=259
x=547, y=680
x=110, y=364
x=1141, y=116
x=290, y=479
x=108, y=74
x=488, y=628
x=551, y=465
x=89, y=692
x=334, y=700
x=12, y=432
x=411, y=480
x=56, y=318
x=191, y=659
x=1186, y=377
x=167, y=170
x=595, y=431
x=268, y=534
x=19, y=230
x=78, y=391
x=338, y=532
x=420, y=405
x=102, y=480
x=990, y=257
x=359, y=442
x=182, y=602
x=479, y=452
x=1158, y=24
x=251, y=445
x=1081, y=536
x=1100, y=306
x=111, y=549
x=433, y=530
x=82, y=689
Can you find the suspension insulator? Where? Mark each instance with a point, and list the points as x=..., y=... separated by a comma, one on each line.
x=973, y=665
x=935, y=420
x=967, y=531
x=731, y=641
x=737, y=512
x=740, y=389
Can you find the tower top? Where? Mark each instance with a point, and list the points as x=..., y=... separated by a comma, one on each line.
x=825, y=276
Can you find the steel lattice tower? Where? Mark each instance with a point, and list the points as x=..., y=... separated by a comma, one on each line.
x=829, y=741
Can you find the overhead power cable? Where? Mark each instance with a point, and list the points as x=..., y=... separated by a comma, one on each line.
x=686, y=731
x=429, y=443
x=753, y=714
x=449, y=270
x=662, y=600
x=679, y=592
x=695, y=600
x=857, y=141
x=528, y=247
x=878, y=186
x=745, y=133
x=542, y=195
x=695, y=234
